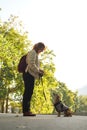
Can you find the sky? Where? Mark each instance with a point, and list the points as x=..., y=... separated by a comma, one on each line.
x=62, y=26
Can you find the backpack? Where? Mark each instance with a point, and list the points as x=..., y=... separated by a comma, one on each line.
x=22, y=64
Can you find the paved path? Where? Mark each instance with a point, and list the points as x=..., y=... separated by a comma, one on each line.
x=42, y=122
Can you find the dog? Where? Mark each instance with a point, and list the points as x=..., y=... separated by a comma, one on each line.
x=60, y=107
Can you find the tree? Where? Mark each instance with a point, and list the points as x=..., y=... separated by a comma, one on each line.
x=41, y=102
x=13, y=44
x=82, y=103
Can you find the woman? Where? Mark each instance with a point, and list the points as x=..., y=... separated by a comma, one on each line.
x=31, y=73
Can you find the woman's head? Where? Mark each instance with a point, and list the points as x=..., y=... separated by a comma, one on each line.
x=39, y=47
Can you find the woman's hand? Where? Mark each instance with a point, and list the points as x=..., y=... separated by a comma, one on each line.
x=41, y=73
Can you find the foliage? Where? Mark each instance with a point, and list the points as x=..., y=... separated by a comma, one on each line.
x=13, y=44
x=82, y=101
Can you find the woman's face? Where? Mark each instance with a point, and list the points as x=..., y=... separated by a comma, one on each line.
x=40, y=50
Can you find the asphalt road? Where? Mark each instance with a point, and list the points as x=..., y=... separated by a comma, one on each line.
x=42, y=122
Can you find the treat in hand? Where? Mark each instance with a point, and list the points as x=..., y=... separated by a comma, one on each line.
x=41, y=73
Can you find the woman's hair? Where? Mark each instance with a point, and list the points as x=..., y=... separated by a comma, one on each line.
x=38, y=46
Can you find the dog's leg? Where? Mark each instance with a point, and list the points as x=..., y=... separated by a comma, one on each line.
x=68, y=113
x=59, y=113
x=65, y=113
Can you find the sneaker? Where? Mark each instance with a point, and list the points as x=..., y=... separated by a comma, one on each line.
x=28, y=114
